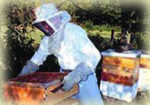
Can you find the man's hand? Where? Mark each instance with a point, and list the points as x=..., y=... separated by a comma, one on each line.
x=68, y=82
x=30, y=67
x=80, y=73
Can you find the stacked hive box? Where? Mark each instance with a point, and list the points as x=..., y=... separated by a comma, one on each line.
x=144, y=77
x=120, y=74
x=36, y=89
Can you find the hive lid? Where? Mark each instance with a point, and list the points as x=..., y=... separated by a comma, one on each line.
x=38, y=79
x=128, y=54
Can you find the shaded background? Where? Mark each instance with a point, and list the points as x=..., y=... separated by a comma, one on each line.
x=97, y=17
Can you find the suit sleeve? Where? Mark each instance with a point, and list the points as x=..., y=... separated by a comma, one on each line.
x=41, y=54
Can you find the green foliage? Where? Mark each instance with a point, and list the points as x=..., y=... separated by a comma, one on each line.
x=88, y=25
x=101, y=13
x=95, y=18
x=133, y=17
x=140, y=41
x=19, y=44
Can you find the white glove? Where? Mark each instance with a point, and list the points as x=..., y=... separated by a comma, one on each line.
x=30, y=67
x=80, y=73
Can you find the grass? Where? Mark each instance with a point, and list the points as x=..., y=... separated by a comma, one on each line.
x=142, y=98
x=37, y=34
x=105, y=34
x=102, y=30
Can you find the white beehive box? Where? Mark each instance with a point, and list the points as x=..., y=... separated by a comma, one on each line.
x=120, y=72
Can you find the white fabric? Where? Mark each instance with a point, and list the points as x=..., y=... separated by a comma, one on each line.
x=69, y=43
x=72, y=48
x=89, y=93
x=58, y=20
x=50, y=14
x=45, y=10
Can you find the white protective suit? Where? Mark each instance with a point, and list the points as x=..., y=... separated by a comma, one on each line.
x=71, y=45
x=73, y=48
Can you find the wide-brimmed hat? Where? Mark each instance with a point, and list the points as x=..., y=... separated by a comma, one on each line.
x=44, y=11
x=48, y=17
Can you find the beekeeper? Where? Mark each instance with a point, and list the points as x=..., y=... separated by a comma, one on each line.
x=75, y=52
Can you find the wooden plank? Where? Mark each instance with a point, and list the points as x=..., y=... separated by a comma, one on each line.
x=54, y=98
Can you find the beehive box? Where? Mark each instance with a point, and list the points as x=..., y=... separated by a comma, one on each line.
x=144, y=75
x=36, y=89
x=120, y=72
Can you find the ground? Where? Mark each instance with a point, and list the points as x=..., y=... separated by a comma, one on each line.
x=142, y=98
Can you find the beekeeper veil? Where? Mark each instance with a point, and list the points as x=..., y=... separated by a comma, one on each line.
x=49, y=19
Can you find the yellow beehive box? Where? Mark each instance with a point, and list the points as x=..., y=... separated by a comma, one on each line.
x=122, y=68
x=120, y=72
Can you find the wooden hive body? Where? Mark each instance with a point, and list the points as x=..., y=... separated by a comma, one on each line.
x=145, y=61
x=120, y=70
x=144, y=74
x=36, y=89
